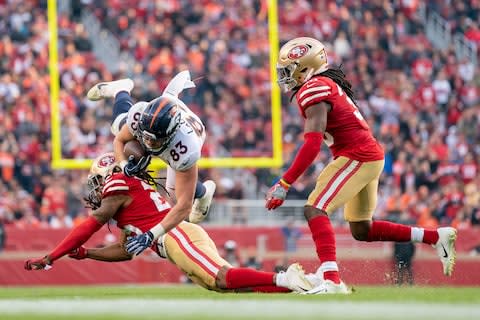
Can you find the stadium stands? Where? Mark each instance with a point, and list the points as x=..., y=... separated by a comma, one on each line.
x=422, y=103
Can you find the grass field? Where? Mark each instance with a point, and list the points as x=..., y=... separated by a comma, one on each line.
x=189, y=302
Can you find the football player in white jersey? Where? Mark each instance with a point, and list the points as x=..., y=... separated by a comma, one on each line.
x=168, y=129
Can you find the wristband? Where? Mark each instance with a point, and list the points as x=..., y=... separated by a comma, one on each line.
x=157, y=231
x=122, y=164
x=284, y=183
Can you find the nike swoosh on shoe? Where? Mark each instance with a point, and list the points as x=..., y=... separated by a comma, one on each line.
x=445, y=254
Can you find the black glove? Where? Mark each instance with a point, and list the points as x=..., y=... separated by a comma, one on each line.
x=134, y=167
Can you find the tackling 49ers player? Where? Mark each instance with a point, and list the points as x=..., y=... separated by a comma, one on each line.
x=326, y=102
x=137, y=207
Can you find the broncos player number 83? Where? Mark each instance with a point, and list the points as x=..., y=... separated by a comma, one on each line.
x=169, y=130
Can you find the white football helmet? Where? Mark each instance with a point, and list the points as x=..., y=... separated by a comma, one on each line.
x=299, y=59
x=101, y=168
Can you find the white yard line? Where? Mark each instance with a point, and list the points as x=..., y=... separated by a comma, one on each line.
x=241, y=308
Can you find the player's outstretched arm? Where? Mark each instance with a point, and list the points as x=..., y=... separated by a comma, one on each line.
x=185, y=182
x=111, y=253
x=80, y=234
x=315, y=124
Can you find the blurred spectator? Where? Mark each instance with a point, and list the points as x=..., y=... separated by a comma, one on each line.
x=281, y=264
x=231, y=254
x=403, y=253
x=291, y=234
x=252, y=260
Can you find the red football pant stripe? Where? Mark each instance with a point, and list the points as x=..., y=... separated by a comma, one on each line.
x=194, y=253
x=340, y=186
x=329, y=184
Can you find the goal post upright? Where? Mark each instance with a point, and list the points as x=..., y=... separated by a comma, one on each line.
x=58, y=162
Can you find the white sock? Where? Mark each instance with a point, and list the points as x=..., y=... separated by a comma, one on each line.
x=417, y=234
x=281, y=280
x=328, y=266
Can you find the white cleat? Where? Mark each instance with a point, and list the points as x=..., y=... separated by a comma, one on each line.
x=314, y=279
x=296, y=280
x=202, y=205
x=329, y=287
x=109, y=89
x=446, y=248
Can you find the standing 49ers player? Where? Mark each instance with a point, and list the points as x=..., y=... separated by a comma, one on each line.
x=325, y=101
x=137, y=207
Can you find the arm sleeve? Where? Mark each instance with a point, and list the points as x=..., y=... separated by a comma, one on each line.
x=78, y=236
x=305, y=156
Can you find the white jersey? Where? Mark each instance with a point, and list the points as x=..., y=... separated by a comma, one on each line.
x=133, y=116
x=185, y=148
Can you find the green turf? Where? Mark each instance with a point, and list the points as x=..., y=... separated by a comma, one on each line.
x=363, y=293
x=468, y=297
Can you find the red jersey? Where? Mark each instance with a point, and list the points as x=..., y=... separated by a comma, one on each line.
x=146, y=209
x=347, y=133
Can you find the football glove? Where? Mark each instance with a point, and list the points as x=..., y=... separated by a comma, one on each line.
x=138, y=244
x=132, y=167
x=79, y=253
x=38, y=264
x=276, y=195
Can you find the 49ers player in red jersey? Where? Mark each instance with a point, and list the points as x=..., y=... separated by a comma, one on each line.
x=325, y=100
x=136, y=207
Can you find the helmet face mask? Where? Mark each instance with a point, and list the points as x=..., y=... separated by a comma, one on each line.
x=158, y=124
x=94, y=191
x=299, y=59
x=151, y=142
x=101, y=168
x=285, y=79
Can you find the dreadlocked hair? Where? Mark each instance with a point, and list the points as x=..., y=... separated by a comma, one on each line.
x=337, y=75
x=156, y=182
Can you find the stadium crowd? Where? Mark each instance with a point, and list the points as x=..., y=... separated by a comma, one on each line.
x=423, y=104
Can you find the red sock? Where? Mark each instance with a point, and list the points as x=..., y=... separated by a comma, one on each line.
x=389, y=231
x=237, y=278
x=324, y=238
x=270, y=289
x=430, y=236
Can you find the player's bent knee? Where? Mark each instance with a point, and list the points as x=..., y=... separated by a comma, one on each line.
x=221, y=279
x=311, y=212
x=360, y=230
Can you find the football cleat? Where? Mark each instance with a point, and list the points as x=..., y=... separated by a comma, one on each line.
x=315, y=279
x=446, y=248
x=202, y=205
x=329, y=287
x=109, y=89
x=296, y=280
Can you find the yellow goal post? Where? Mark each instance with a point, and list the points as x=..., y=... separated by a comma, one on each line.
x=58, y=162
